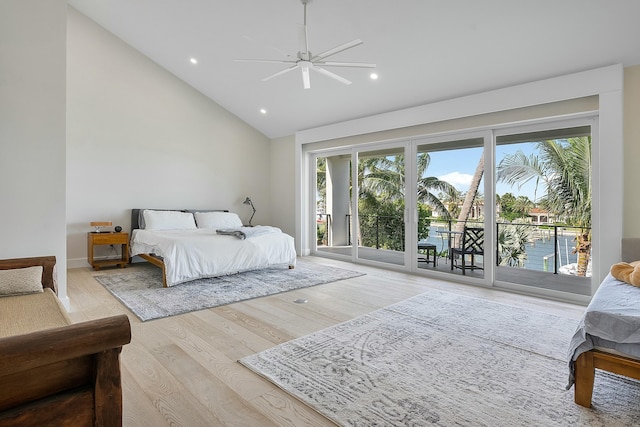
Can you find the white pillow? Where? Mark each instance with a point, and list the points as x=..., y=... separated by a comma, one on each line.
x=21, y=281
x=218, y=220
x=168, y=220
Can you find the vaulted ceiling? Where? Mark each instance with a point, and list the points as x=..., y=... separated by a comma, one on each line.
x=425, y=50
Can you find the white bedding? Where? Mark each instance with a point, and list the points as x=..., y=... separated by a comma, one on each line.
x=199, y=253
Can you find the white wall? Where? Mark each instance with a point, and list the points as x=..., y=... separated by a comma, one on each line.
x=283, y=180
x=138, y=137
x=631, y=151
x=32, y=131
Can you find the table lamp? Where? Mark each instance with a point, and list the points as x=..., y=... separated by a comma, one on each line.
x=248, y=201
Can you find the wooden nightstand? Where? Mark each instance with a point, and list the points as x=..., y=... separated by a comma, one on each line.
x=94, y=239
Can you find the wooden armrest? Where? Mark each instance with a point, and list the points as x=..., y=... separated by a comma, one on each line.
x=23, y=352
x=47, y=262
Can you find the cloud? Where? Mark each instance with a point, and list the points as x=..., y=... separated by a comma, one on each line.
x=459, y=180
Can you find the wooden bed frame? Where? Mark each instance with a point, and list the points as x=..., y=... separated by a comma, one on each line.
x=152, y=258
x=155, y=259
x=587, y=362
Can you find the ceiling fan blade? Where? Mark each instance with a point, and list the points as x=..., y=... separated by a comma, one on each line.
x=306, y=81
x=332, y=75
x=279, y=73
x=338, y=49
x=346, y=64
x=266, y=46
x=305, y=61
x=276, y=61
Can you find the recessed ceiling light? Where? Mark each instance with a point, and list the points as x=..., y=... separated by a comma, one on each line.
x=193, y=60
x=263, y=111
x=373, y=76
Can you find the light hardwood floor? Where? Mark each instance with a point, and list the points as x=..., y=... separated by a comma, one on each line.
x=183, y=370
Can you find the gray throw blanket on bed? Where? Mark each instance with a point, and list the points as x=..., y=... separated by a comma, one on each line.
x=248, y=232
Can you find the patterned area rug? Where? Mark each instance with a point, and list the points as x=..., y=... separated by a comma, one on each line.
x=140, y=287
x=445, y=359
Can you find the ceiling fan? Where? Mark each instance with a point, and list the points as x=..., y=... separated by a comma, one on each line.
x=306, y=61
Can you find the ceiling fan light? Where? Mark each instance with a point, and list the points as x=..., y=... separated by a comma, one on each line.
x=306, y=81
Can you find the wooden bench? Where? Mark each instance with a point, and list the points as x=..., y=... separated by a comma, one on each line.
x=53, y=372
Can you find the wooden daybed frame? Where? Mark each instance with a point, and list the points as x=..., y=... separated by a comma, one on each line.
x=64, y=375
x=586, y=364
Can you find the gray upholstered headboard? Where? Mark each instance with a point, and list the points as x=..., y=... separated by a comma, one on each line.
x=630, y=249
x=135, y=214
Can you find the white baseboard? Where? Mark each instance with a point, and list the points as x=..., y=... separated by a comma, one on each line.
x=82, y=262
x=77, y=263
x=65, y=302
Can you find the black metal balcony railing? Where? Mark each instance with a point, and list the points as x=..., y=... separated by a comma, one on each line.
x=380, y=231
x=542, y=243
x=546, y=247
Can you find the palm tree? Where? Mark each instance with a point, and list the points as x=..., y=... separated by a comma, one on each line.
x=452, y=202
x=429, y=185
x=523, y=206
x=471, y=195
x=383, y=178
x=512, y=241
x=382, y=185
x=563, y=167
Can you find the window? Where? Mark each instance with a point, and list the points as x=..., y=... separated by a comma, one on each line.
x=539, y=192
x=591, y=98
x=543, y=206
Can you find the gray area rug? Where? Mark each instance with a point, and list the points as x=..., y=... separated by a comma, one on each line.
x=140, y=287
x=445, y=359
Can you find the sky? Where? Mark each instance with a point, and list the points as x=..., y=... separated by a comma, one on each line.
x=458, y=166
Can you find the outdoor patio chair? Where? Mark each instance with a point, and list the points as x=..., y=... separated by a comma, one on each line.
x=425, y=250
x=471, y=245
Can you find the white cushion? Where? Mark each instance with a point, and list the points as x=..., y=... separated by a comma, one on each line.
x=21, y=281
x=168, y=220
x=218, y=220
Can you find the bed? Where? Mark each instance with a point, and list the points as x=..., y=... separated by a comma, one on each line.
x=608, y=335
x=186, y=244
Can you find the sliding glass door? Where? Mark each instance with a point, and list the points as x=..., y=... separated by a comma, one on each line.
x=450, y=205
x=543, y=195
x=371, y=227
x=501, y=207
x=333, y=205
x=379, y=226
